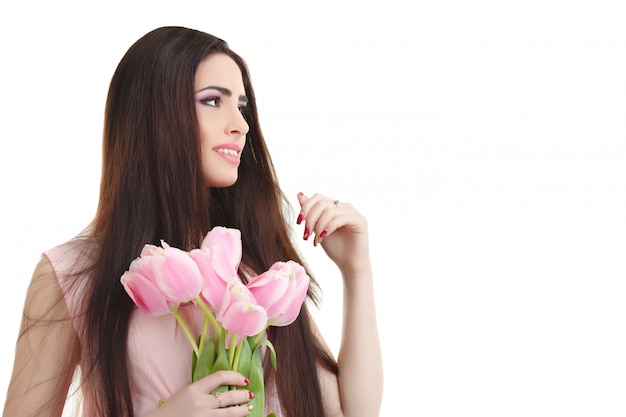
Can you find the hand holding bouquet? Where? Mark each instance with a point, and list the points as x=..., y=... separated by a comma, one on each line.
x=236, y=316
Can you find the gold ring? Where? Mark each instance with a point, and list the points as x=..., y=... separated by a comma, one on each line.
x=219, y=400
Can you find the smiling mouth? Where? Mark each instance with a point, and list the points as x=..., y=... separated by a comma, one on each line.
x=226, y=151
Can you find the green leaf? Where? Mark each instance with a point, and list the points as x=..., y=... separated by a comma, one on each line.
x=221, y=360
x=245, y=357
x=257, y=384
x=202, y=366
x=270, y=346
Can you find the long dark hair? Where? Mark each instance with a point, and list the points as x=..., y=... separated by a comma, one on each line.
x=152, y=188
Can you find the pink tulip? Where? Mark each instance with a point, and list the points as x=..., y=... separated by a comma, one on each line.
x=145, y=293
x=150, y=250
x=176, y=274
x=214, y=286
x=162, y=278
x=240, y=314
x=281, y=290
x=226, y=242
x=218, y=261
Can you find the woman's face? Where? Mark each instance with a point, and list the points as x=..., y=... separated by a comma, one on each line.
x=220, y=99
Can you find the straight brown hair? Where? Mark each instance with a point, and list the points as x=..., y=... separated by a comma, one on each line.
x=152, y=188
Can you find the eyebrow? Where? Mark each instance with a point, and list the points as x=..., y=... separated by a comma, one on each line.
x=224, y=91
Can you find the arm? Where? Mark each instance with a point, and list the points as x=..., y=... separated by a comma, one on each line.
x=46, y=353
x=357, y=389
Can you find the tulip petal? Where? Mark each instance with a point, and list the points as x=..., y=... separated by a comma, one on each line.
x=177, y=275
x=221, y=264
x=229, y=240
x=148, y=298
x=244, y=319
x=269, y=287
x=281, y=290
x=214, y=286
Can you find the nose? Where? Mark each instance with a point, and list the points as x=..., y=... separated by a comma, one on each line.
x=238, y=125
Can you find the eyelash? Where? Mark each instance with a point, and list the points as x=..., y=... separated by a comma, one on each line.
x=207, y=100
x=217, y=100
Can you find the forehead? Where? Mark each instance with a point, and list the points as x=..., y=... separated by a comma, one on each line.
x=219, y=70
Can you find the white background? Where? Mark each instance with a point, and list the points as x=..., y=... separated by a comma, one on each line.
x=484, y=140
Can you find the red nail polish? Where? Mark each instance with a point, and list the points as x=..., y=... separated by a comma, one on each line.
x=246, y=381
x=306, y=234
x=300, y=218
x=251, y=394
x=324, y=233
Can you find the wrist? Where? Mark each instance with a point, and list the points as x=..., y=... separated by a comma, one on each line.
x=358, y=275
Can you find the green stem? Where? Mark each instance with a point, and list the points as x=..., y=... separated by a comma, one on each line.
x=208, y=314
x=205, y=330
x=183, y=324
x=236, y=359
x=231, y=350
x=260, y=336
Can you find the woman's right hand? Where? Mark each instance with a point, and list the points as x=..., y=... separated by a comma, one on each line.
x=196, y=399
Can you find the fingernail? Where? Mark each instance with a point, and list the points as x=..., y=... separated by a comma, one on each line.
x=300, y=194
x=250, y=407
x=300, y=218
x=251, y=394
x=324, y=233
x=306, y=234
x=246, y=381
x=316, y=241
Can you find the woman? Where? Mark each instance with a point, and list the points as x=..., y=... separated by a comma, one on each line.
x=183, y=152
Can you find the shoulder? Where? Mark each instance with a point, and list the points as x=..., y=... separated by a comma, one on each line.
x=44, y=296
x=72, y=256
x=63, y=270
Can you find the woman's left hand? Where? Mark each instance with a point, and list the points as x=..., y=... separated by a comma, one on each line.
x=339, y=228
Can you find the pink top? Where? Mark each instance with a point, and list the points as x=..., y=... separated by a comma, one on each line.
x=158, y=350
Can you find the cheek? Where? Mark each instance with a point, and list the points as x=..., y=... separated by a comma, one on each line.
x=206, y=153
x=205, y=140
x=205, y=150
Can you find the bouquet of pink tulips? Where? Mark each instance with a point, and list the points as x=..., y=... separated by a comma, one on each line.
x=236, y=316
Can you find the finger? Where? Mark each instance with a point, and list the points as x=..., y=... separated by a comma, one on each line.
x=211, y=382
x=232, y=397
x=302, y=198
x=307, y=202
x=312, y=210
x=235, y=411
x=317, y=211
x=334, y=219
x=329, y=220
x=304, y=202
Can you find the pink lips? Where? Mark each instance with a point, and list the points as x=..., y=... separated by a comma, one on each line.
x=229, y=151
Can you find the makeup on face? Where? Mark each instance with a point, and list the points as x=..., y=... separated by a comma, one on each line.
x=220, y=102
x=212, y=96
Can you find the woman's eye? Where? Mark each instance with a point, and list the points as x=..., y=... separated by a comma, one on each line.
x=211, y=101
x=242, y=108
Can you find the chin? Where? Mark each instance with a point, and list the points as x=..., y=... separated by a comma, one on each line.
x=220, y=182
